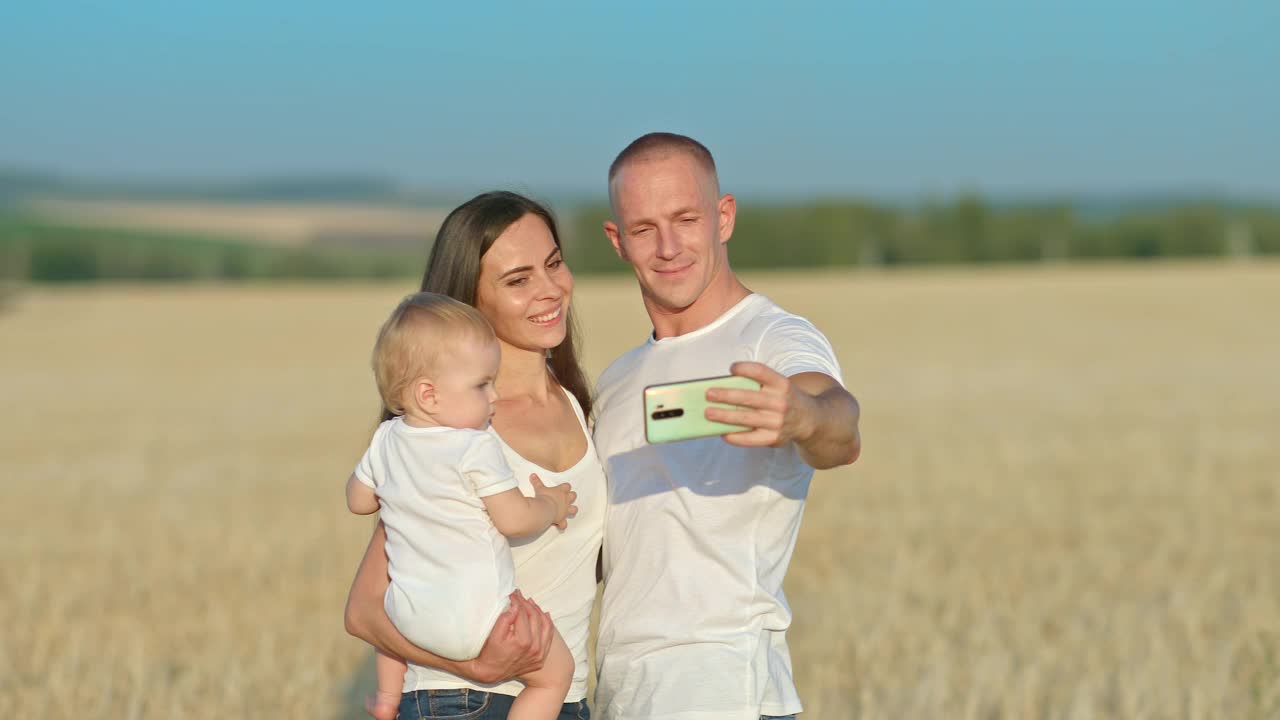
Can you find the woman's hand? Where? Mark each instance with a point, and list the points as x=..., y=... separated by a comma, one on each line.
x=517, y=645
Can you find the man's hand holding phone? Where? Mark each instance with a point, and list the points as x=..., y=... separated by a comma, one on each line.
x=774, y=415
x=677, y=411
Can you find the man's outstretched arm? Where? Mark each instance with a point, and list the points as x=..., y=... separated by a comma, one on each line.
x=810, y=409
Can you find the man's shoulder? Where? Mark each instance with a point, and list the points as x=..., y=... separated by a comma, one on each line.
x=790, y=343
x=768, y=318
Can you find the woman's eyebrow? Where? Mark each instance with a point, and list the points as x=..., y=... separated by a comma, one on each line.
x=513, y=271
x=527, y=268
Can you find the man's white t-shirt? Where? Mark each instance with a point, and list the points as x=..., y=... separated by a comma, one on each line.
x=451, y=570
x=698, y=534
x=557, y=569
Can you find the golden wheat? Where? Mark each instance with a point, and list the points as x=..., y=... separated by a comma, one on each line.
x=1068, y=505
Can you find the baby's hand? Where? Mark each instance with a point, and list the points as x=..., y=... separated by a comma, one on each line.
x=561, y=495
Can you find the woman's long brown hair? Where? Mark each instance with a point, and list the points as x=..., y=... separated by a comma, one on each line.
x=454, y=270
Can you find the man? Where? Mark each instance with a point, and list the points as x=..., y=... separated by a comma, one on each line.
x=698, y=534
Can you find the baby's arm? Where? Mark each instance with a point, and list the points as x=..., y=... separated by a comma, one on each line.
x=516, y=515
x=361, y=499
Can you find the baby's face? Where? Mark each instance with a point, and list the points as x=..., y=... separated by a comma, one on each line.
x=464, y=378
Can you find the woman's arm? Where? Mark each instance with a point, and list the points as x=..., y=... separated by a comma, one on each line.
x=518, y=643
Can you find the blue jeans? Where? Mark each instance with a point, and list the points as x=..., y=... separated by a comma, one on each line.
x=465, y=704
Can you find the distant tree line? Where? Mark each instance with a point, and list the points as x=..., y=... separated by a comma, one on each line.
x=41, y=252
x=818, y=234
x=963, y=230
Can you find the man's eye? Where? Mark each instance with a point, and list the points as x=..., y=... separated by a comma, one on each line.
x=689, y=220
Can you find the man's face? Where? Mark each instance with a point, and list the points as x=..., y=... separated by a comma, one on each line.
x=671, y=226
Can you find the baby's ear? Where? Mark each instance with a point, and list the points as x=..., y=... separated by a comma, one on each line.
x=424, y=393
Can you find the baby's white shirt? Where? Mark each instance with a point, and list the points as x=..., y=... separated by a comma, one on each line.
x=451, y=570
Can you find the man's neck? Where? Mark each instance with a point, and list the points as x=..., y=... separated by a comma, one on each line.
x=523, y=374
x=715, y=301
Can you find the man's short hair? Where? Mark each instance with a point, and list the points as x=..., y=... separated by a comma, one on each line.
x=657, y=144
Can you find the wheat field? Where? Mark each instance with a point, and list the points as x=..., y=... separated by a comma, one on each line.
x=1068, y=504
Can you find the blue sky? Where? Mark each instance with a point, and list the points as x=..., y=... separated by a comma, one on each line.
x=801, y=98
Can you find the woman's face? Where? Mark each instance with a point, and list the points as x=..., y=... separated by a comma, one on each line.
x=524, y=287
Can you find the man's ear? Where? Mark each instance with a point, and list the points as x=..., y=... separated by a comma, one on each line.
x=615, y=237
x=728, y=208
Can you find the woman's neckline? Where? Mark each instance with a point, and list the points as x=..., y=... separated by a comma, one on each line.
x=581, y=427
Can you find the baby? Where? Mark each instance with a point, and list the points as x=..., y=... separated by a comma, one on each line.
x=448, y=499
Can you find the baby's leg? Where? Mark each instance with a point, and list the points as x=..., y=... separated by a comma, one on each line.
x=545, y=689
x=386, y=704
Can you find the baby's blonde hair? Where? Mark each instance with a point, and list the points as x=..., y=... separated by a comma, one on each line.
x=410, y=341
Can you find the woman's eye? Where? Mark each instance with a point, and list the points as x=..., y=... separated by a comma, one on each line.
x=517, y=282
x=555, y=263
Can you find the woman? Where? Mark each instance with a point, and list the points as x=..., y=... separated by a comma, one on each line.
x=500, y=253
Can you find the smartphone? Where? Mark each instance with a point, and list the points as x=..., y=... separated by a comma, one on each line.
x=675, y=411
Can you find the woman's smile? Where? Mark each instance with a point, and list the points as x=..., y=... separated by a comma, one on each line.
x=547, y=319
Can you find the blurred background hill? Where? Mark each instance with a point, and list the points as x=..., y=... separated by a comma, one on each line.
x=57, y=229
